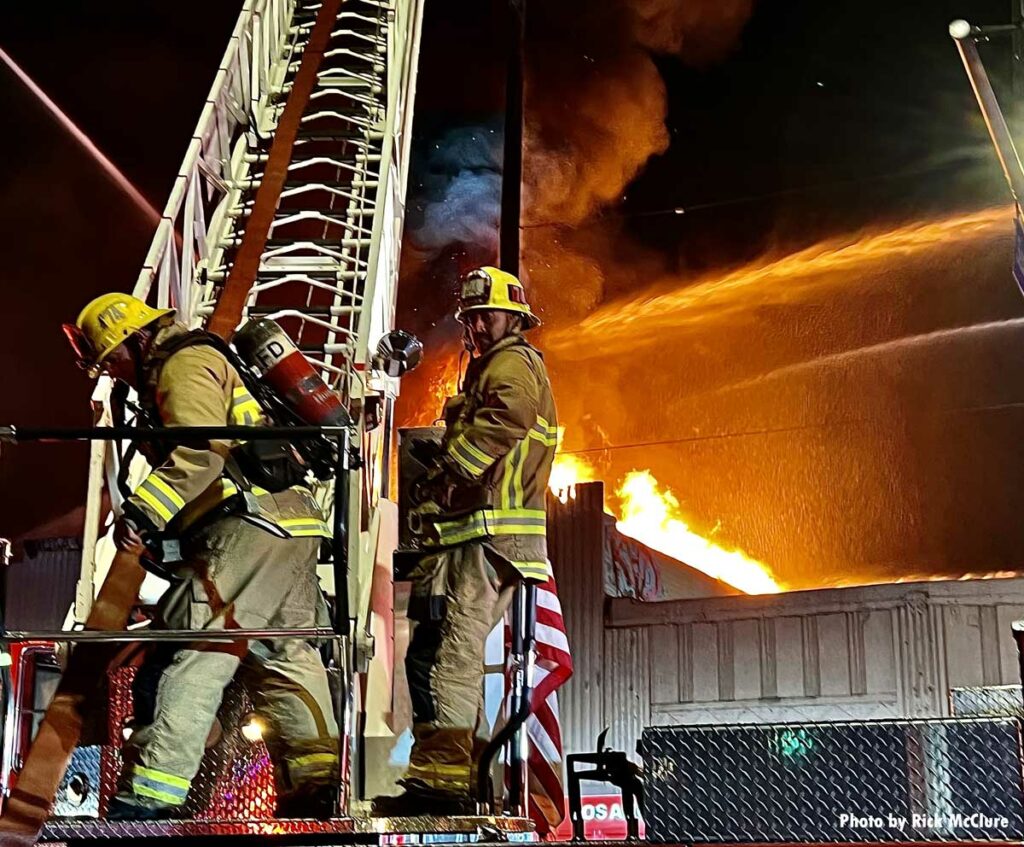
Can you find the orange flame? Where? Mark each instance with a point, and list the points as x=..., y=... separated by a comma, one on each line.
x=567, y=472
x=654, y=517
x=439, y=386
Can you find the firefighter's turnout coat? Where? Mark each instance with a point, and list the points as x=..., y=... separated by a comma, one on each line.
x=197, y=386
x=237, y=572
x=497, y=452
x=499, y=444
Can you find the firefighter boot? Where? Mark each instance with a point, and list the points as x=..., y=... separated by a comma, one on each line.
x=420, y=799
x=438, y=779
x=316, y=803
x=128, y=807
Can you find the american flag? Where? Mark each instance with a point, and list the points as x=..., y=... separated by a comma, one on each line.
x=553, y=667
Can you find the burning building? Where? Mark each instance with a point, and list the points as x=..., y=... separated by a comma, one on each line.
x=658, y=644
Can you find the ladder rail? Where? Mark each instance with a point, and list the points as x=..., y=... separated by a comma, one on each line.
x=207, y=164
x=329, y=268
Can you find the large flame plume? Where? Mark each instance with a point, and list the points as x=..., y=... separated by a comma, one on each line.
x=671, y=376
x=853, y=488
x=653, y=515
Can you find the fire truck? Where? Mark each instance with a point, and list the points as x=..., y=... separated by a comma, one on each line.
x=306, y=132
x=336, y=81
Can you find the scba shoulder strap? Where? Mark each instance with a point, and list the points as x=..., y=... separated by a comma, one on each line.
x=270, y=465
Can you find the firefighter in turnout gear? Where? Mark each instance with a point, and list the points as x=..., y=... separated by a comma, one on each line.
x=482, y=506
x=248, y=561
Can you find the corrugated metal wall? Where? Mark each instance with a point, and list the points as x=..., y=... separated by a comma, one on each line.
x=627, y=693
x=41, y=584
x=576, y=550
x=883, y=651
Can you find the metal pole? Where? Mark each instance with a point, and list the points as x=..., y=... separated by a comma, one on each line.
x=513, y=754
x=526, y=607
x=1017, y=628
x=1018, y=48
x=965, y=37
x=18, y=434
x=512, y=167
x=7, y=705
x=199, y=636
x=339, y=539
x=342, y=624
x=511, y=233
x=5, y=561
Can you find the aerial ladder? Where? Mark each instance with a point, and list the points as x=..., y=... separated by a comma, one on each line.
x=288, y=205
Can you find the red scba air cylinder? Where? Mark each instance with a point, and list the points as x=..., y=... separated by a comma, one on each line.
x=264, y=346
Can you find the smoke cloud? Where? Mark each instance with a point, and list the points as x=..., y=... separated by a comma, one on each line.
x=459, y=196
x=595, y=115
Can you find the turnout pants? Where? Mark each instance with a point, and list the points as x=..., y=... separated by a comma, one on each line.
x=240, y=577
x=458, y=596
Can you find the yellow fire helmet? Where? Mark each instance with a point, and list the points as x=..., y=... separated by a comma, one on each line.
x=105, y=323
x=490, y=288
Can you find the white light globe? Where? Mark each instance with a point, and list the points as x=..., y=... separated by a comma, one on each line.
x=959, y=29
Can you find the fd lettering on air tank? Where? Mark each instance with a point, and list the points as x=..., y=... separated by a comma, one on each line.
x=264, y=346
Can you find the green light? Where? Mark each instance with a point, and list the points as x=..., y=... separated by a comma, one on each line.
x=795, y=743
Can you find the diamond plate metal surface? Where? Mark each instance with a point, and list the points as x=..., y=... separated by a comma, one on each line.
x=988, y=701
x=370, y=828
x=63, y=830
x=79, y=792
x=235, y=781
x=447, y=824
x=954, y=779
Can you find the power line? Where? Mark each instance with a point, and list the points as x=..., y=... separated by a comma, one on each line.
x=721, y=436
x=914, y=171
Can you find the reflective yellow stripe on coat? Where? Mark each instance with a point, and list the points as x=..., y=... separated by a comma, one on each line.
x=160, y=497
x=245, y=411
x=305, y=527
x=487, y=522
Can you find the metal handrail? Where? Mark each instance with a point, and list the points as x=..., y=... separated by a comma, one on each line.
x=339, y=545
x=15, y=434
x=187, y=635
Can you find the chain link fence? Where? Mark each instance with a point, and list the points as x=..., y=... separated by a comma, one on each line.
x=953, y=779
x=990, y=701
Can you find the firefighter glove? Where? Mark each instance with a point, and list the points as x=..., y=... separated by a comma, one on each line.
x=135, y=533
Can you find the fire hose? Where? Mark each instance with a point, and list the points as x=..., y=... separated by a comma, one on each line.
x=28, y=806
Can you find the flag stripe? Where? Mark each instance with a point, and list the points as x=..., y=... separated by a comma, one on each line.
x=553, y=667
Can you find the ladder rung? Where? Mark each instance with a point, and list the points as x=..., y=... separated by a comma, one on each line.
x=260, y=310
x=275, y=243
x=305, y=183
x=330, y=135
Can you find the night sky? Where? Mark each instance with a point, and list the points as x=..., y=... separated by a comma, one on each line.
x=817, y=120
